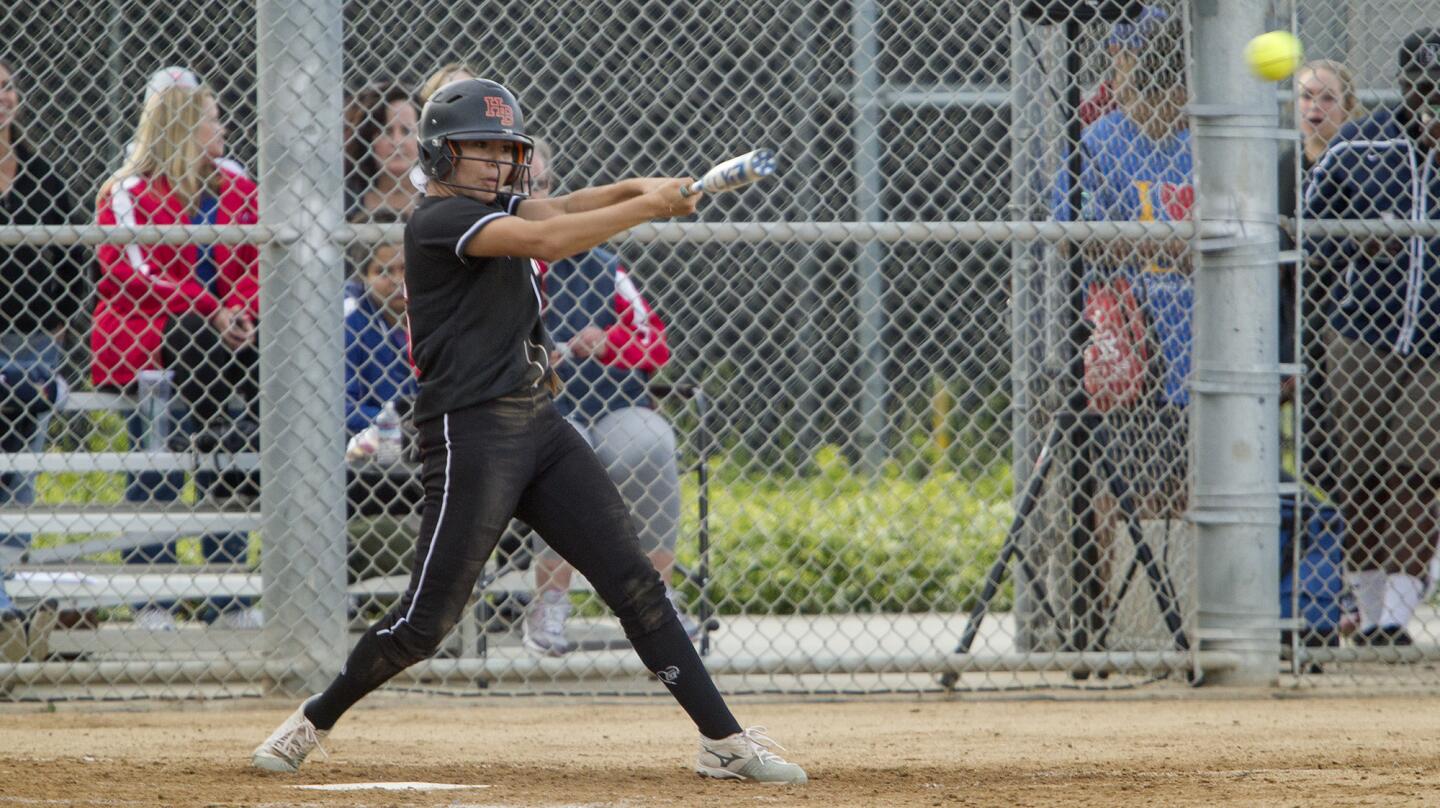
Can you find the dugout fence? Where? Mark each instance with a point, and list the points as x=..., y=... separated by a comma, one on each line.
x=935, y=294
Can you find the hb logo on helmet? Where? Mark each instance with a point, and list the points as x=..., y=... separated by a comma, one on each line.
x=496, y=107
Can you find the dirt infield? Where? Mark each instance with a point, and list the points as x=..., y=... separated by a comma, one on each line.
x=930, y=752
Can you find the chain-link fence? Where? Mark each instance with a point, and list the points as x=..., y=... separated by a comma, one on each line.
x=1359, y=320
x=915, y=412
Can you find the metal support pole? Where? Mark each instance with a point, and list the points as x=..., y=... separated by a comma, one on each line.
x=809, y=205
x=1027, y=287
x=870, y=297
x=1027, y=345
x=1235, y=409
x=301, y=370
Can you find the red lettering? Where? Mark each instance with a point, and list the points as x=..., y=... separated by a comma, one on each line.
x=496, y=107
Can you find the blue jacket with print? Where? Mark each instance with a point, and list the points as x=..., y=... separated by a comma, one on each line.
x=1374, y=170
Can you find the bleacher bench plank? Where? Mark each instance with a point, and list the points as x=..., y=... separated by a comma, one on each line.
x=97, y=402
x=114, y=462
x=127, y=519
x=91, y=587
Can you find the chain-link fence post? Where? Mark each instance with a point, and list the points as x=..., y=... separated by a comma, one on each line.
x=1027, y=283
x=301, y=369
x=870, y=279
x=1236, y=382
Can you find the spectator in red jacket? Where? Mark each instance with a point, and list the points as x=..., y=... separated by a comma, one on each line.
x=612, y=343
x=205, y=296
x=171, y=178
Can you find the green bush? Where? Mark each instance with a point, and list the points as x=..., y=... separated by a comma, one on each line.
x=842, y=542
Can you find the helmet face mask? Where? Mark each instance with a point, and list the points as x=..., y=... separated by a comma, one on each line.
x=514, y=173
x=474, y=110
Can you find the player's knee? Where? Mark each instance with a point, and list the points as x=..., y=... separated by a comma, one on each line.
x=641, y=604
x=421, y=642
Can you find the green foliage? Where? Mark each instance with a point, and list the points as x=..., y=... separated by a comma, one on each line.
x=844, y=542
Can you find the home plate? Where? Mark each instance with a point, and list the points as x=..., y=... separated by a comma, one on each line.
x=389, y=787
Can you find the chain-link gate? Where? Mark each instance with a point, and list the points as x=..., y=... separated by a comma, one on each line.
x=915, y=412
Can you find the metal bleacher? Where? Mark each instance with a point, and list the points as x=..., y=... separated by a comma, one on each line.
x=61, y=574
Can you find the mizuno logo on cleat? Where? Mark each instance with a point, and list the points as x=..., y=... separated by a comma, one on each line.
x=725, y=760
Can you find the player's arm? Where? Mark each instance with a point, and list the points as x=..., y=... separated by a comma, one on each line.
x=587, y=199
x=565, y=235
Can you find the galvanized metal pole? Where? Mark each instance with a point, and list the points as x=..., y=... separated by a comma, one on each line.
x=1235, y=406
x=1027, y=288
x=1026, y=313
x=301, y=370
x=810, y=206
x=870, y=296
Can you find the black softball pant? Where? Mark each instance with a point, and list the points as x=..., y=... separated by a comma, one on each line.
x=515, y=456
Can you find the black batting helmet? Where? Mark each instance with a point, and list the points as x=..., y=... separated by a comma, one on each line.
x=473, y=109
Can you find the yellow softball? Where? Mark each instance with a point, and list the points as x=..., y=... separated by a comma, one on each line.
x=1275, y=55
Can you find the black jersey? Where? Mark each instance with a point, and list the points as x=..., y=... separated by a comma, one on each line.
x=475, y=328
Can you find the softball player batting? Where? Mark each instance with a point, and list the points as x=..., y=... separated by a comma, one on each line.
x=492, y=444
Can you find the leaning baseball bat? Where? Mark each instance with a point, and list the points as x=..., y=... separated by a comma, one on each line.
x=734, y=173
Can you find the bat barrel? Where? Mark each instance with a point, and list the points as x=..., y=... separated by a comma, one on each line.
x=734, y=173
x=763, y=163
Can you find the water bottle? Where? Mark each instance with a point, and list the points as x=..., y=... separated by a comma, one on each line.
x=388, y=436
x=152, y=389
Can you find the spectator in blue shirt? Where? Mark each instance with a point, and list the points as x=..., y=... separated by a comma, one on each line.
x=613, y=343
x=377, y=370
x=377, y=354
x=1137, y=165
x=1384, y=341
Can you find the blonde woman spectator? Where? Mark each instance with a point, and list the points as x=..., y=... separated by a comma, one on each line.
x=443, y=75
x=147, y=293
x=184, y=78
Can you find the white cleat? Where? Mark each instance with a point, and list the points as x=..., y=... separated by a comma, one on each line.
x=153, y=618
x=249, y=618
x=545, y=625
x=747, y=756
x=288, y=745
